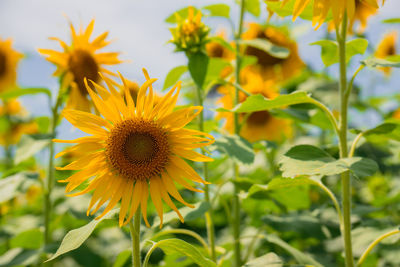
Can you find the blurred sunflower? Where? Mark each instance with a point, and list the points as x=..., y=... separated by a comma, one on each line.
x=215, y=49
x=9, y=59
x=362, y=12
x=134, y=148
x=190, y=34
x=17, y=125
x=387, y=48
x=259, y=125
x=80, y=60
x=134, y=90
x=270, y=67
x=322, y=8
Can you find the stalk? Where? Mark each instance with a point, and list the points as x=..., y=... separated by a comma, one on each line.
x=346, y=182
x=209, y=213
x=236, y=203
x=135, y=235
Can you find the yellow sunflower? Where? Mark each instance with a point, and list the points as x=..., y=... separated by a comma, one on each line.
x=321, y=9
x=134, y=88
x=270, y=67
x=81, y=60
x=9, y=59
x=134, y=150
x=362, y=12
x=386, y=48
x=215, y=49
x=18, y=125
x=259, y=125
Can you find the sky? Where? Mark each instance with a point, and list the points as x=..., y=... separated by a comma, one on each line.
x=137, y=28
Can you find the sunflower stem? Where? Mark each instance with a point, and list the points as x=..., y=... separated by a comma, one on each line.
x=209, y=213
x=346, y=181
x=236, y=202
x=51, y=173
x=135, y=235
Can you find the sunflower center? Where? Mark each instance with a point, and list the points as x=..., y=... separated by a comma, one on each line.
x=3, y=63
x=138, y=149
x=391, y=50
x=258, y=118
x=83, y=65
x=216, y=51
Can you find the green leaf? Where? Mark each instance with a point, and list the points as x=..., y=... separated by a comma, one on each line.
x=198, y=64
x=43, y=124
x=392, y=20
x=173, y=76
x=174, y=245
x=75, y=238
x=330, y=50
x=287, y=10
x=378, y=62
x=383, y=128
x=183, y=13
x=31, y=239
x=243, y=183
x=270, y=259
x=222, y=42
x=312, y=161
x=258, y=102
x=218, y=10
x=253, y=7
x=248, y=61
x=24, y=91
x=19, y=257
x=239, y=149
x=300, y=257
x=215, y=67
x=268, y=47
x=30, y=145
x=12, y=185
x=122, y=258
x=187, y=213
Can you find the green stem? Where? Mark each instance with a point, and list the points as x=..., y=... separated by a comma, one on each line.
x=183, y=232
x=208, y=215
x=346, y=182
x=135, y=235
x=373, y=244
x=236, y=202
x=51, y=173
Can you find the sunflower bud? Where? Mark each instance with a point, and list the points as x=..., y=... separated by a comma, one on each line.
x=191, y=34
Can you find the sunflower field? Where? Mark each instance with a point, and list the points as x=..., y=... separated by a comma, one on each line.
x=200, y=133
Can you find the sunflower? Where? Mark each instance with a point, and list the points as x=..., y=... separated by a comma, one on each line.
x=215, y=49
x=362, y=12
x=387, y=48
x=271, y=67
x=134, y=91
x=80, y=60
x=17, y=125
x=259, y=125
x=134, y=150
x=321, y=9
x=9, y=59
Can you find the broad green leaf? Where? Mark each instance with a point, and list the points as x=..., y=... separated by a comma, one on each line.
x=24, y=91
x=248, y=61
x=270, y=259
x=188, y=214
x=312, y=161
x=122, y=258
x=330, y=50
x=183, y=13
x=173, y=76
x=236, y=147
x=19, y=257
x=214, y=69
x=383, y=128
x=30, y=239
x=218, y=10
x=12, y=185
x=222, y=42
x=243, y=183
x=258, y=102
x=267, y=46
x=198, y=65
x=30, y=145
x=392, y=20
x=43, y=124
x=75, y=238
x=253, y=7
x=287, y=10
x=378, y=62
x=174, y=245
x=300, y=257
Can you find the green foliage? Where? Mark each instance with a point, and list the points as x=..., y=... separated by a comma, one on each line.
x=330, y=50
x=269, y=259
x=17, y=92
x=236, y=147
x=174, y=75
x=267, y=46
x=378, y=62
x=218, y=10
x=198, y=64
x=392, y=20
x=287, y=10
x=181, y=12
x=31, y=239
x=253, y=7
x=30, y=145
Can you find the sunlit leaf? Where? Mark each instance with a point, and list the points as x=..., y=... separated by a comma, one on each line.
x=198, y=65
x=24, y=91
x=173, y=76
x=122, y=258
x=181, y=12
x=30, y=239
x=392, y=20
x=270, y=259
x=378, y=62
x=267, y=46
x=253, y=7
x=30, y=145
x=218, y=10
x=236, y=147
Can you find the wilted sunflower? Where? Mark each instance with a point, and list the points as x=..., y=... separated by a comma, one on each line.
x=80, y=60
x=268, y=66
x=134, y=149
x=321, y=9
x=259, y=125
x=17, y=123
x=387, y=48
x=190, y=34
x=8, y=65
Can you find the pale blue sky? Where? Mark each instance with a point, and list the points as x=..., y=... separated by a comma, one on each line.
x=139, y=31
